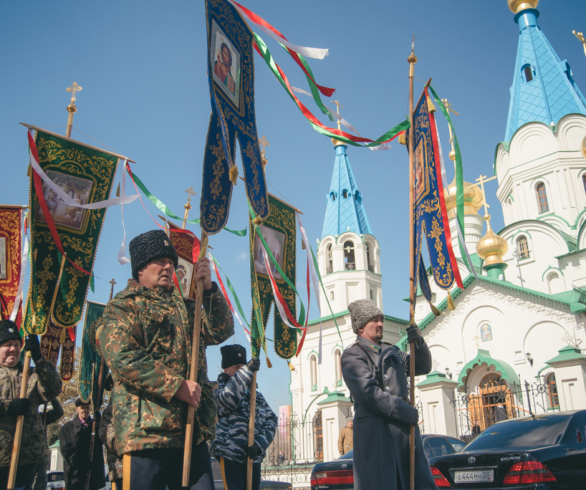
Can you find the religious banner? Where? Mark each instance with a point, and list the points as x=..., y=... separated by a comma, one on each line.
x=90, y=359
x=187, y=247
x=431, y=217
x=59, y=283
x=60, y=341
x=279, y=237
x=231, y=82
x=10, y=258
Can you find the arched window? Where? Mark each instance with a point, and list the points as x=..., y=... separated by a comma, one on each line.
x=368, y=262
x=522, y=247
x=338, y=367
x=528, y=72
x=553, y=400
x=313, y=372
x=554, y=283
x=349, y=259
x=542, y=198
x=329, y=259
x=344, y=193
x=333, y=195
x=584, y=181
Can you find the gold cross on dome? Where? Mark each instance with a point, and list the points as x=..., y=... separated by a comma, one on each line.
x=338, y=105
x=448, y=107
x=481, y=181
x=73, y=90
x=190, y=193
x=580, y=37
x=112, y=282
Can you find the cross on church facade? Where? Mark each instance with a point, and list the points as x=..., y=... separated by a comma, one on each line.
x=477, y=338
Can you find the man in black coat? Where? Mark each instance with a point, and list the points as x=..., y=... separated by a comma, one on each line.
x=74, y=442
x=377, y=375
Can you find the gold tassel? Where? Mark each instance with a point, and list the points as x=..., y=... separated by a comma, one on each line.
x=257, y=221
x=291, y=367
x=233, y=174
x=269, y=365
x=402, y=139
x=430, y=106
x=451, y=305
x=118, y=190
x=434, y=309
x=302, y=244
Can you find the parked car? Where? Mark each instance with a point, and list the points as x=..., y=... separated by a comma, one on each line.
x=55, y=479
x=338, y=475
x=537, y=452
x=264, y=484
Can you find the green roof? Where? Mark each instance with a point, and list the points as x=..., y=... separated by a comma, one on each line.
x=435, y=377
x=56, y=444
x=568, y=353
x=346, y=312
x=335, y=396
x=483, y=356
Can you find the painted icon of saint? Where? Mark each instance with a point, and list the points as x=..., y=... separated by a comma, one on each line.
x=222, y=67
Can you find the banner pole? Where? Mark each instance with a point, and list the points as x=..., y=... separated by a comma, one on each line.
x=251, y=429
x=412, y=60
x=194, y=365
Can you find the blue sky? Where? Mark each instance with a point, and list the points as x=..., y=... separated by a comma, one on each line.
x=142, y=66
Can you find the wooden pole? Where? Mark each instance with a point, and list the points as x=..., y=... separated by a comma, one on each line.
x=19, y=425
x=412, y=60
x=194, y=365
x=251, y=429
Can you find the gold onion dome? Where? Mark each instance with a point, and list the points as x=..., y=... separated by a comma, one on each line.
x=517, y=5
x=472, y=198
x=491, y=247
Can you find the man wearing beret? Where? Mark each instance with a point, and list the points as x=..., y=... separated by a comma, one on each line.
x=377, y=375
x=146, y=340
x=231, y=447
x=44, y=384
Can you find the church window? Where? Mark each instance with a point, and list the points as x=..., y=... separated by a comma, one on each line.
x=552, y=391
x=554, y=283
x=338, y=367
x=332, y=295
x=528, y=72
x=333, y=195
x=313, y=372
x=522, y=247
x=345, y=193
x=371, y=294
x=584, y=181
x=542, y=198
x=368, y=263
x=349, y=259
x=330, y=259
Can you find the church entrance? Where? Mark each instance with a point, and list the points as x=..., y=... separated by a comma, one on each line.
x=493, y=403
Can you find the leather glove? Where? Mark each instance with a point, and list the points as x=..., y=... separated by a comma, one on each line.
x=19, y=406
x=254, y=364
x=416, y=415
x=253, y=451
x=31, y=344
x=414, y=335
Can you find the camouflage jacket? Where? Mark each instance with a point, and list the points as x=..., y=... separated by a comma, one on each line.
x=107, y=435
x=146, y=340
x=44, y=384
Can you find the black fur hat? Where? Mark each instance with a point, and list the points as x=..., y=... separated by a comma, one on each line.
x=232, y=355
x=8, y=331
x=149, y=246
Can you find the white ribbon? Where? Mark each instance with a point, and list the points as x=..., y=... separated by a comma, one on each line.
x=122, y=259
x=315, y=53
x=23, y=264
x=69, y=200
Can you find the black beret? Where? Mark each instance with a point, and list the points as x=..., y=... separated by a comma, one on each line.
x=149, y=246
x=232, y=355
x=8, y=331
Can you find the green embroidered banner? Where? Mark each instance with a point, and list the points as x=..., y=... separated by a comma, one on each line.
x=279, y=232
x=90, y=359
x=57, y=288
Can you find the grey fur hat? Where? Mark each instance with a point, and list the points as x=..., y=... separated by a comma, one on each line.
x=361, y=312
x=149, y=246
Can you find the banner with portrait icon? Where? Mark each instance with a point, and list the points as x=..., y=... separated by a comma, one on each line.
x=279, y=234
x=231, y=83
x=58, y=288
x=187, y=247
x=10, y=258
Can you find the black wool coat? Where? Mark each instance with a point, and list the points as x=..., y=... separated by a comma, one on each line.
x=74, y=443
x=383, y=415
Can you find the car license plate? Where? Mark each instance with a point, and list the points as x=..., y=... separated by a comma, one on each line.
x=474, y=476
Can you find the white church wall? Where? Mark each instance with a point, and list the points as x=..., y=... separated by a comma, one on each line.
x=533, y=342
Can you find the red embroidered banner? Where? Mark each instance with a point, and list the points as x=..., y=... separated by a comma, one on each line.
x=10, y=258
x=187, y=248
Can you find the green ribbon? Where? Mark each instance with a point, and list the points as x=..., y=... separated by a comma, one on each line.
x=163, y=207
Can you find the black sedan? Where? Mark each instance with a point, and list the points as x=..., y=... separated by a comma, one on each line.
x=337, y=475
x=539, y=452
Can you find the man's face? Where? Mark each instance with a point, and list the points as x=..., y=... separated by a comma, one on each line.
x=83, y=411
x=232, y=370
x=10, y=353
x=157, y=273
x=373, y=330
x=350, y=424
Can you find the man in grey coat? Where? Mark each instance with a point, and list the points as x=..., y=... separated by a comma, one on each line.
x=377, y=375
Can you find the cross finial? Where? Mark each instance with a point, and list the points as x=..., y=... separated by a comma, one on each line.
x=482, y=180
x=112, y=282
x=191, y=193
x=264, y=143
x=338, y=105
x=477, y=338
x=580, y=37
x=73, y=90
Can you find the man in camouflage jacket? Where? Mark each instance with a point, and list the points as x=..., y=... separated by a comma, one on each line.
x=146, y=340
x=107, y=436
x=231, y=447
x=44, y=385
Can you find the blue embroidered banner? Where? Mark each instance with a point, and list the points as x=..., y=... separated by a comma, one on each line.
x=231, y=82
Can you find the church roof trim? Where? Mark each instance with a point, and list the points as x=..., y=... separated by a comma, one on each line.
x=483, y=356
x=568, y=353
x=435, y=377
x=335, y=396
x=571, y=242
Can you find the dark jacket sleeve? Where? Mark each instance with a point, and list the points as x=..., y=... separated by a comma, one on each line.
x=422, y=360
x=230, y=396
x=366, y=392
x=55, y=414
x=267, y=431
x=49, y=384
x=67, y=443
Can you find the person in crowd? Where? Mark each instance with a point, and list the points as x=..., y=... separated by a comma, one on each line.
x=346, y=436
x=44, y=384
x=75, y=439
x=48, y=417
x=231, y=447
x=107, y=435
x=146, y=340
x=376, y=373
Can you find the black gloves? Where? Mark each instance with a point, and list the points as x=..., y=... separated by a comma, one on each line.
x=19, y=406
x=254, y=364
x=31, y=344
x=414, y=335
x=254, y=450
